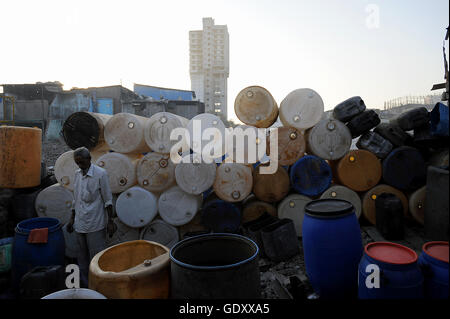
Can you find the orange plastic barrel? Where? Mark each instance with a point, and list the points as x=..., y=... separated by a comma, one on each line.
x=20, y=157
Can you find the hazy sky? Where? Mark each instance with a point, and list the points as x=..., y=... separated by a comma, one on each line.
x=378, y=49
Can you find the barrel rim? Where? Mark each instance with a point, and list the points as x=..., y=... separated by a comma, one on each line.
x=425, y=248
x=386, y=243
x=344, y=212
x=21, y=230
x=211, y=235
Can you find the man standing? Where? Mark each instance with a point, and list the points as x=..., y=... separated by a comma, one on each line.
x=92, y=195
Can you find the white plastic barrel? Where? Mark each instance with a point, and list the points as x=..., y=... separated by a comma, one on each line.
x=54, y=201
x=75, y=293
x=124, y=133
x=195, y=177
x=158, y=128
x=197, y=127
x=344, y=193
x=417, y=204
x=177, y=207
x=302, y=109
x=136, y=207
x=123, y=233
x=65, y=168
x=233, y=182
x=293, y=207
x=155, y=172
x=255, y=106
x=245, y=147
x=161, y=232
x=121, y=169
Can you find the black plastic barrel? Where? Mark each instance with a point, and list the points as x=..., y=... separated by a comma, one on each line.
x=348, y=109
x=253, y=230
x=363, y=123
x=374, y=143
x=215, y=266
x=413, y=119
x=280, y=240
x=41, y=281
x=81, y=129
x=393, y=133
x=389, y=216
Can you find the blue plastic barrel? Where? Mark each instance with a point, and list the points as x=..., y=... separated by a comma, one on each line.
x=26, y=256
x=221, y=216
x=439, y=120
x=332, y=247
x=434, y=264
x=310, y=175
x=389, y=271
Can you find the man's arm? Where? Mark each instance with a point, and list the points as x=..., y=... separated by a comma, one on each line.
x=106, y=193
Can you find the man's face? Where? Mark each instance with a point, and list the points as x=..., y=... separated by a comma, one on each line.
x=83, y=163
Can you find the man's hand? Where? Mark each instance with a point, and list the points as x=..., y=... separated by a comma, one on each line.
x=69, y=227
x=111, y=228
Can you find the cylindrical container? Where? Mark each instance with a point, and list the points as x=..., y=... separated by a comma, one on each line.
x=221, y=216
x=193, y=176
x=158, y=129
x=437, y=209
x=439, y=118
x=85, y=129
x=270, y=188
x=389, y=216
x=393, y=133
x=75, y=293
x=248, y=144
x=404, y=168
x=160, y=232
x=434, y=264
x=417, y=204
x=359, y=170
x=310, y=175
x=5, y=254
x=255, y=106
x=348, y=109
x=121, y=169
x=133, y=270
x=375, y=143
x=344, y=193
x=293, y=207
x=155, y=172
x=65, y=168
x=301, y=108
x=332, y=247
x=393, y=270
x=136, y=207
x=26, y=256
x=56, y=202
x=124, y=133
x=21, y=156
x=412, y=119
x=291, y=145
x=280, y=240
x=177, y=207
x=214, y=138
x=215, y=266
x=363, y=123
x=368, y=201
x=123, y=234
x=233, y=182
x=329, y=139
x=252, y=209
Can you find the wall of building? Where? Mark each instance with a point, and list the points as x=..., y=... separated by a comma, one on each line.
x=158, y=93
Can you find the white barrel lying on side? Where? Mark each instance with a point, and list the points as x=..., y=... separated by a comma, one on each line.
x=136, y=207
x=293, y=207
x=121, y=169
x=344, y=193
x=65, y=168
x=177, y=207
x=161, y=232
x=302, y=109
x=247, y=145
x=195, y=177
x=123, y=233
x=124, y=133
x=234, y=182
x=54, y=201
x=155, y=172
x=75, y=293
x=417, y=204
x=158, y=128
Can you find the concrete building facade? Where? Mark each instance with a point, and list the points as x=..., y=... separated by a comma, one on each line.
x=210, y=66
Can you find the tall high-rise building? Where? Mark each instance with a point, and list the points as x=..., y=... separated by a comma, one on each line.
x=210, y=66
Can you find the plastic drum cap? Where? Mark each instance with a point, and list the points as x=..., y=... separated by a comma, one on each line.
x=391, y=253
x=136, y=207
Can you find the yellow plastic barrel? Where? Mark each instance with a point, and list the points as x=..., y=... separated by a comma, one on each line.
x=138, y=269
x=20, y=156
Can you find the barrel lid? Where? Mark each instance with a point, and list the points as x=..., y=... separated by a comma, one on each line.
x=438, y=250
x=391, y=253
x=328, y=207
